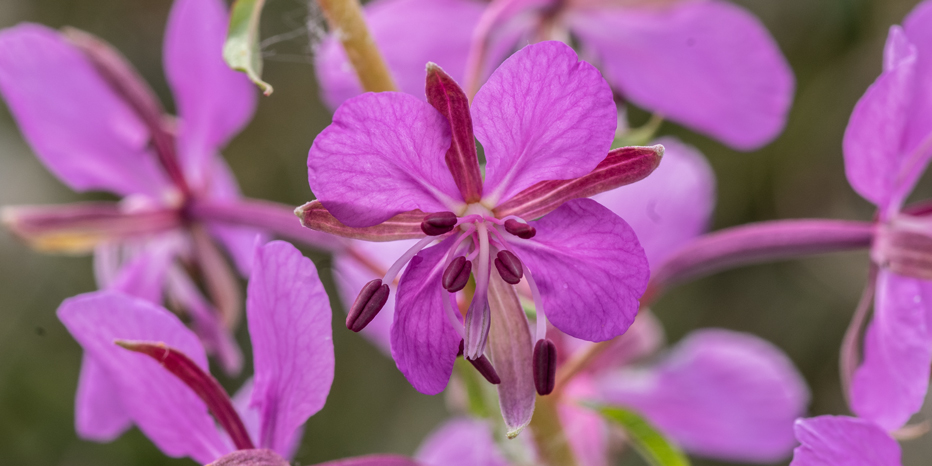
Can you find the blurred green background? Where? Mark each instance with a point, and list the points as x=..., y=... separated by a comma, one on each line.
x=803, y=307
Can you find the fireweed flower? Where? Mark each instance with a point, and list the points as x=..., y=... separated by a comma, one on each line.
x=97, y=126
x=887, y=146
x=707, y=64
x=833, y=440
x=393, y=167
x=167, y=391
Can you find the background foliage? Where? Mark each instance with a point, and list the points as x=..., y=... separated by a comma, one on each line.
x=834, y=47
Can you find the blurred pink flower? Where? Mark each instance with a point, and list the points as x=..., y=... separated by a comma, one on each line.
x=887, y=147
x=292, y=353
x=707, y=64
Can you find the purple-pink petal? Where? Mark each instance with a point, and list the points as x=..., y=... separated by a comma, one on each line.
x=589, y=267
x=918, y=27
x=163, y=407
x=409, y=34
x=837, y=440
x=76, y=124
x=510, y=349
x=424, y=342
x=382, y=155
x=719, y=394
x=239, y=242
x=289, y=322
x=542, y=115
x=214, y=102
x=99, y=414
x=350, y=276
x=671, y=206
x=891, y=383
x=460, y=442
x=707, y=64
x=873, y=141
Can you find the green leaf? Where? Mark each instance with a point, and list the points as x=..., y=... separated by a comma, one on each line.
x=649, y=443
x=241, y=50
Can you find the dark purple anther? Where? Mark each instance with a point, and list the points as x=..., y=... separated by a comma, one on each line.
x=545, y=366
x=367, y=305
x=457, y=274
x=438, y=223
x=509, y=267
x=484, y=366
x=521, y=230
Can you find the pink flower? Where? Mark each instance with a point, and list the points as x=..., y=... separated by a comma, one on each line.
x=393, y=167
x=887, y=146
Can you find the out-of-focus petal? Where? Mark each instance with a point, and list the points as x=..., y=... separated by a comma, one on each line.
x=424, y=342
x=586, y=431
x=289, y=322
x=252, y=420
x=644, y=338
x=352, y=270
x=253, y=457
x=214, y=102
x=510, y=348
x=719, y=394
x=161, y=405
x=589, y=267
x=542, y=115
x=671, y=206
x=99, y=414
x=874, y=137
x=239, y=242
x=707, y=64
x=143, y=276
x=918, y=27
x=891, y=384
x=382, y=155
x=409, y=34
x=460, y=442
x=205, y=321
x=837, y=440
x=78, y=126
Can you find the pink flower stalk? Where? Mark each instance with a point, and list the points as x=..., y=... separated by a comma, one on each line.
x=168, y=392
x=887, y=146
x=392, y=167
x=707, y=64
x=834, y=440
x=96, y=125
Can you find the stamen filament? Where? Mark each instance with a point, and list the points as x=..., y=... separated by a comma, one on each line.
x=454, y=320
x=538, y=305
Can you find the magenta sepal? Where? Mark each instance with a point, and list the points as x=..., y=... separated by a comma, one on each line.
x=620, y=167
x=444, y=94
x=406, y=225
x=203, y=384
x=77, y=227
